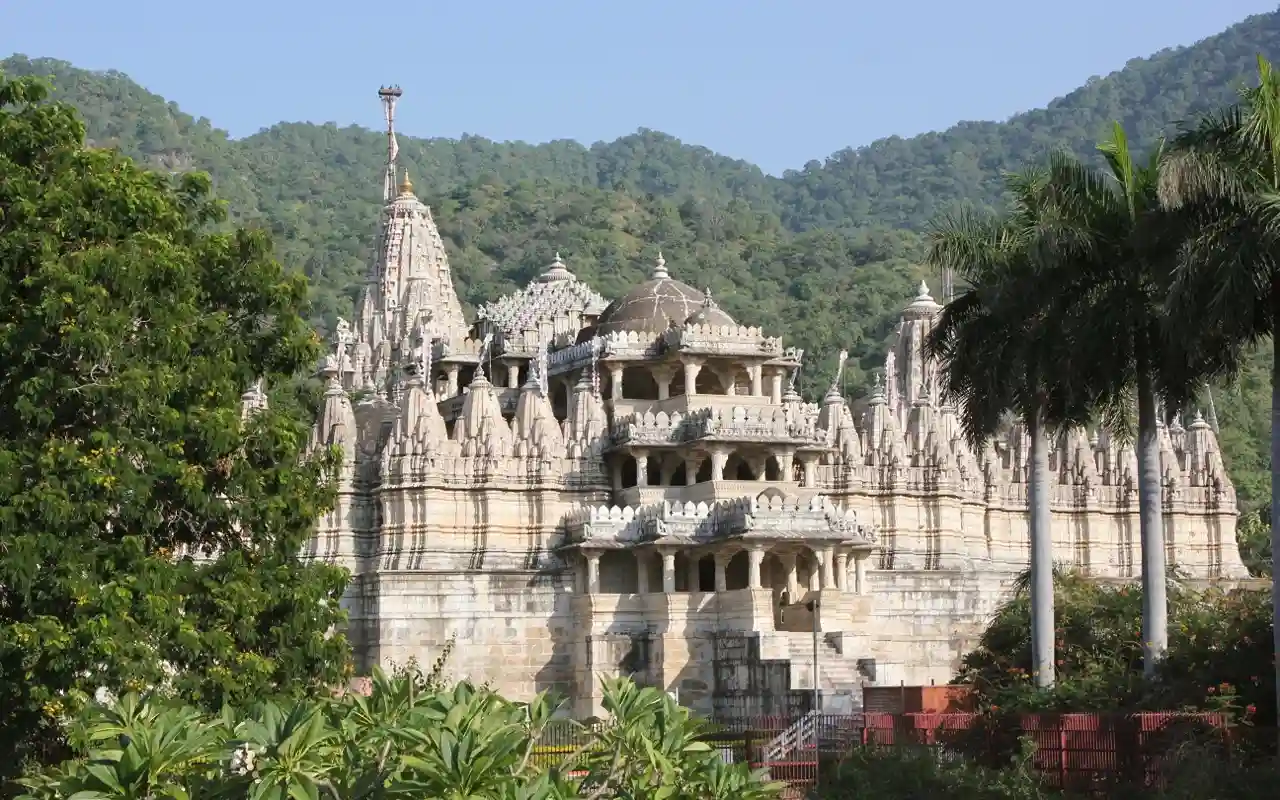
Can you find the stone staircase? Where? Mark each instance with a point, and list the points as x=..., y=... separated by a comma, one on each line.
x=838, y=675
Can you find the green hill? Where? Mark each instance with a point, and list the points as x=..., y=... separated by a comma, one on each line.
x=825, y=255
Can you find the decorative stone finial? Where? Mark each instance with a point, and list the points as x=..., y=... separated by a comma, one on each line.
x=833, y=392
x=406, y=185
x=660, y=269
x=557, y=271
x=923, y=292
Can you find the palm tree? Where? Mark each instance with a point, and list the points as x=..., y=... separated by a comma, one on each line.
x=1223, y=174
x=998, y=352
x=1117, y=248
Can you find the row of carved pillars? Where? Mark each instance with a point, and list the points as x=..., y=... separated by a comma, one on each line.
x=719, y=456
x=664, y=374
x=833, y=571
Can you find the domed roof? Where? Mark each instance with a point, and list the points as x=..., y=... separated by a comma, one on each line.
x=709, y=314
x=652, y=306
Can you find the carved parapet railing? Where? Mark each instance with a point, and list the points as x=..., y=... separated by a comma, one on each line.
x=735, y=340
x=764, y=515
x=771, y=424
x=648, y=428
x=737, y=424
x=617, y=344
x=423, y=470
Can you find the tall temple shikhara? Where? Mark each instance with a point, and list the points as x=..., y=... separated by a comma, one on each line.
x=574, y=487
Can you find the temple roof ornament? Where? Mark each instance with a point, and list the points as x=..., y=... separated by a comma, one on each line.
x=923, y=304
x=556, y=272
x=652, y=306
x=710, y=314
x=556, y=299
x=659, y=269
x=833, y=392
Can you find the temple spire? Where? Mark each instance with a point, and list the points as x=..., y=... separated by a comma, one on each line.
x=389, y=95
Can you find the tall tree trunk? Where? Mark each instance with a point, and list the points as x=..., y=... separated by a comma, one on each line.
x=1275, y=489
x=1040, y=522
x=1155, y=606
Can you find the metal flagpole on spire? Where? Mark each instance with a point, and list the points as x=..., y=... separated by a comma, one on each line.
x=389, y=95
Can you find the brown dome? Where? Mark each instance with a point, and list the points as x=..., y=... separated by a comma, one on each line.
x=652, y=306
x=710, y=314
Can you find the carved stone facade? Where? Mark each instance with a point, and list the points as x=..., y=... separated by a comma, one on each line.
x=575, y=488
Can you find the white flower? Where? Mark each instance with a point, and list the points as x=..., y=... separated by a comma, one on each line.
x=242, y=760
x=103, y=696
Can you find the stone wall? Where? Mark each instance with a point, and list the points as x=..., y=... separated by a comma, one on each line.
x=513, y=630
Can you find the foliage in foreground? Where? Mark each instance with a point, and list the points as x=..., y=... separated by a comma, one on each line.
x=409, y=738
x=905, y=772
x=1194, y=771
x=1219, y=655
x=130, y=326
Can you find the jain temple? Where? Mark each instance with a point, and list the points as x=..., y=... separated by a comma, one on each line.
x=575, y=486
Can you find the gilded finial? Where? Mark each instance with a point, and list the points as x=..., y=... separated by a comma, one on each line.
x=406, y=185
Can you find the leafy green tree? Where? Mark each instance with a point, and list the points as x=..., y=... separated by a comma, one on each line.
x=148, y=536
x=1224, y=174
x=1001, y=350
x=1253, y=532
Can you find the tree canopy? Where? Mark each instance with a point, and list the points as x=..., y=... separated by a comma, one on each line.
x=148, y=536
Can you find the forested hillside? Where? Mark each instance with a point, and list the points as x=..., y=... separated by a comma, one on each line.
x=825, y=255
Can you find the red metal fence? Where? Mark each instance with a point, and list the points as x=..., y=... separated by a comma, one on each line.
x=1072, y=751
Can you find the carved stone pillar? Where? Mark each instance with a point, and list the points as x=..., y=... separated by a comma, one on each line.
x=810, y=472
x=786, y=464
x=668, y=572
x=722, y=577
x=828, y=557
x=615, y=473
x=860, y=571
x=842, y=571
x=693, y=575
x=789, y=569
x=755, y=557
x=593, y=572
x=719, y=457
x=642, y=572
x=775, y=388
x=691, y=370
x=662, y=376
x=452, y=372
x=513, y=376
x=642, y=468
x=691, y=466
x=615, y=382
x=729, y=379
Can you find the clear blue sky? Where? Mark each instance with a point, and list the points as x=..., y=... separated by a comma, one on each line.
x=778, y=83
